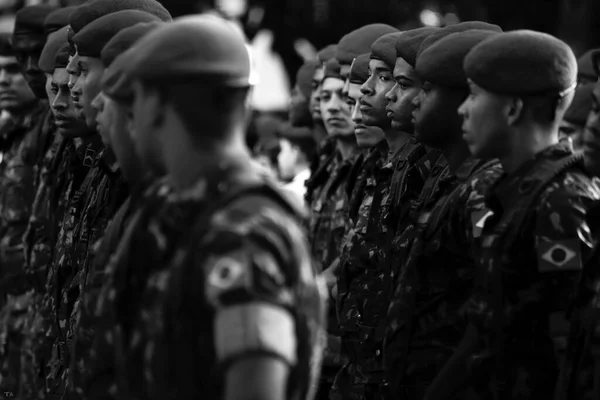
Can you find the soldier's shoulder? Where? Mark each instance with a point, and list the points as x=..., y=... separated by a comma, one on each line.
x=569, y=188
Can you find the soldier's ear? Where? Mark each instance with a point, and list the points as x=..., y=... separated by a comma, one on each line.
x=514, y=110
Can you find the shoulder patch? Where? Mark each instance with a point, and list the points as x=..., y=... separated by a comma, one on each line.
x=225, y=273
x=558, y=255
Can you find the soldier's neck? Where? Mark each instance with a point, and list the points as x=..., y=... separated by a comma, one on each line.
x=456, y=153
x=346, y=147
x=396, y=139
x=526, y=148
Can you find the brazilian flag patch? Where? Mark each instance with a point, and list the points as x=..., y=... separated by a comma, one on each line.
x=559, y=255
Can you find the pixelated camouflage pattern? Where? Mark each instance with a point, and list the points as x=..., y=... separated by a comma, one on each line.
x=515, y=287
x=364, y=282
x=326, y=160
x=435, y=280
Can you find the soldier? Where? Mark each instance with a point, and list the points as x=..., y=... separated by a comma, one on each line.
x=297, y=147
x=113, y=121
x=423, y=327
x=579, y=375
x=536, y=242
x=300, y=115
x=256, y=339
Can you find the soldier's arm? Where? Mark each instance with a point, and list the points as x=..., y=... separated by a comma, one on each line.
x=252, y=275
x=564, y=244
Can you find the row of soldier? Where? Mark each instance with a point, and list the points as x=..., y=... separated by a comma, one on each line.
x=455, y=230
x=146, y=255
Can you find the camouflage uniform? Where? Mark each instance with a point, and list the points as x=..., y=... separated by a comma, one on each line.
x=321, y=167
x=391, y=187
x=423, y=324
x=148, y=300
x=579, y=376
x=23, y=141
x=48, y=244
x=23, y=144
x=533, y=248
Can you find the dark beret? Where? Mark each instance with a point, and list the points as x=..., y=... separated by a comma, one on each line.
x=61, y=59
x=57, y=19
x=56, y=40
x=523, y=62
x=200, y=46
x=408, y=44
x=305, y=75
x=384, y=48
x=581, y=106
x=442, y=62
x=359, y=41
x=327, y=53
x=93, y=37
x=95, y=9
x=460, y=27
x=585, y=65
x=30, y=20
x=126, y=38
x=332, y=69
x=6, y=48
x=359, y=71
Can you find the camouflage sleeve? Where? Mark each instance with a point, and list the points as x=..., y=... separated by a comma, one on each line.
x=253, y=261
x=564, y=244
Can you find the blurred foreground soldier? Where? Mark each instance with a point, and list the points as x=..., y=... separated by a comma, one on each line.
x=536, y=241
x=213, y=293
x=585, y=68
x=579, y=375
x=28, y=40
x=297, y=147
x=436, y=273
x=573, y=122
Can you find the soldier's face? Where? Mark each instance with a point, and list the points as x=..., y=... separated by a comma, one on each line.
x=366, y=136
x=49, y=93
x=435, y=116
x=314, y=103
x=105, y=117
x=400, y=98
x=591, y=135
x=484, y=124
x=28, y=49
x=62, y=106
x=336, y=113
x=299, y=114
x=120, y=138
x=87, y=87
x=373, y=102
x=148, y=112
x=15, y=93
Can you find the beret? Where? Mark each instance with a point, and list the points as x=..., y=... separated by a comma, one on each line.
x=55, y=41
x=359, y=41
x=359, y=70
x=30, y=20
x=460, y=27
x=123, y=40
x=581, y=106
x=200, y=46
x=384, y=48
x=93, y=37
x=332, y=69
x=407, y=45
x=523, y=62
x=61, y=60
x=95, y=9
x=6, y=48
x=586, y=65
x=58, y=19
x=304, y=76
x=442, y=62
x=326, y=53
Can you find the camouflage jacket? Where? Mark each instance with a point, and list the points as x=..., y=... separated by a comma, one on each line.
x=179, y=357
x=29, y=330
x=579, y=374
x=533, y=249
x=23, y=144
x=364, y=287
x=435, y=280
x=327, y=160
